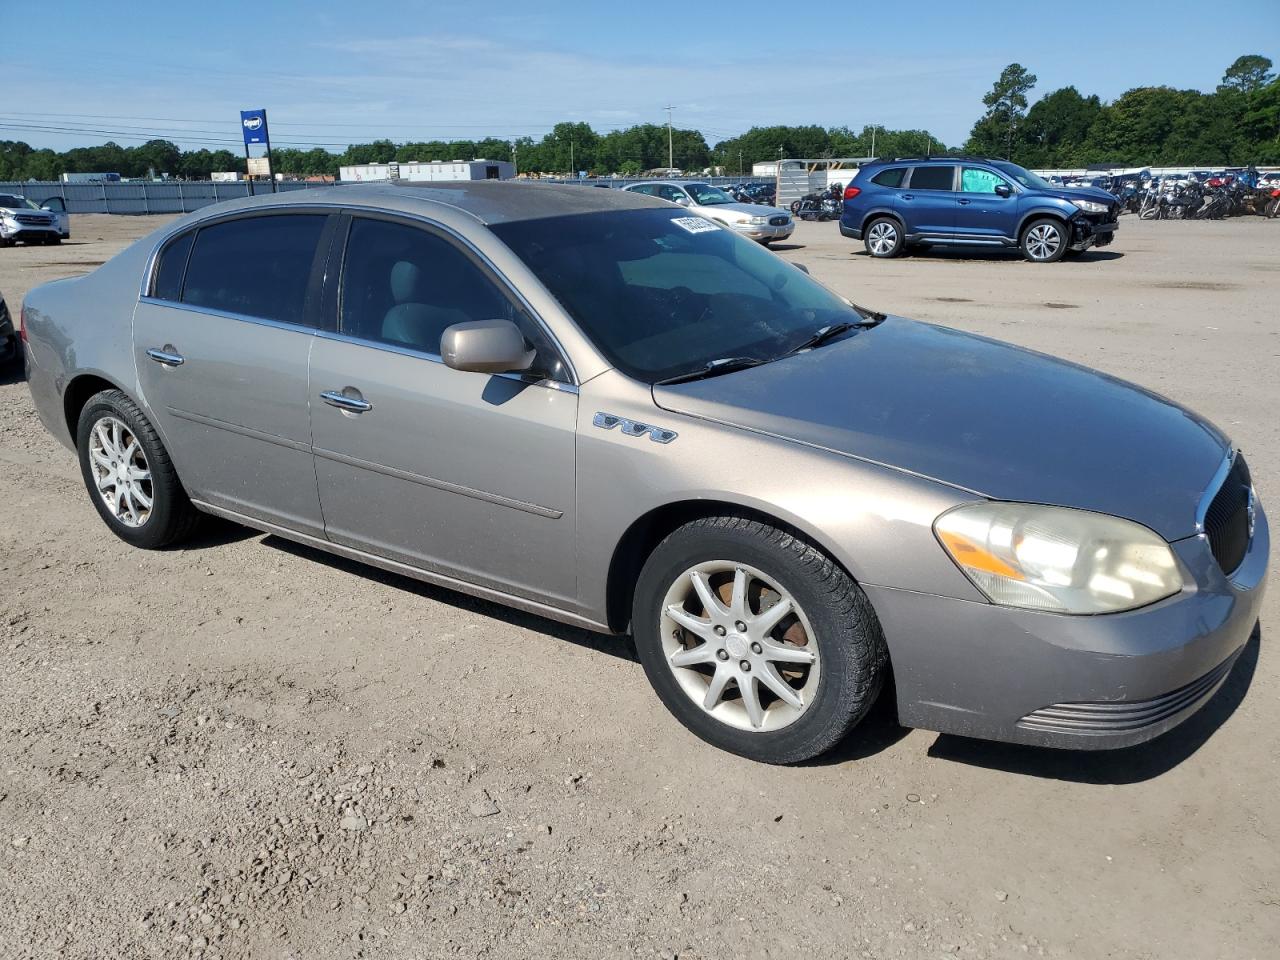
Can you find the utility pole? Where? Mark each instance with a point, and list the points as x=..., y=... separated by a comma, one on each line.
x=514, y=168
x=670, y=151
x=873, y=140
x=739, y=163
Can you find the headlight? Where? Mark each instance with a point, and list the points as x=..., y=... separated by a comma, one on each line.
x=1088, y=206
x=1058, y=559
x=758, y=221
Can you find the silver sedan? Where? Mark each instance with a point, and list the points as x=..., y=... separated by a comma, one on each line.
x=595, y=406
x=760, y=223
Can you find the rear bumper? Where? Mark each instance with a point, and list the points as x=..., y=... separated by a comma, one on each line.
x=1087, y=683
x=853, y=233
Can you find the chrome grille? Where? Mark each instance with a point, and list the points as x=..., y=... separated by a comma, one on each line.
x=1226, y=522
x=779, y=221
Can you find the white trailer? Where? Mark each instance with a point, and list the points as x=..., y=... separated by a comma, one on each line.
x=422, y=171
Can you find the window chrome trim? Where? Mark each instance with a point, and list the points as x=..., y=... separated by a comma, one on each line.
x=436, y=358
x=1219, y=478
x=228, y=315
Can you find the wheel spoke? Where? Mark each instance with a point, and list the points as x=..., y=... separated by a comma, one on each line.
x=702, y=586
x=738, y=601
x=702, y=653
x=139, y=474
x=142, y=499
x=117, y=495
x=116, y=441
x=751, y=701
x=715, y=689
x=786, y=653
x=772, y=617
x=770, y=677
x=100, y=458
x=695, y=625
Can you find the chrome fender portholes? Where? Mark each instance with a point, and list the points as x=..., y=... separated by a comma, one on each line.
x=607, y=421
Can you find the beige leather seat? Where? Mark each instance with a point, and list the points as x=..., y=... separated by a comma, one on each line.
x=411, y=322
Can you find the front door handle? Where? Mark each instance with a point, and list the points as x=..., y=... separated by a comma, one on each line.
x=167, y=356
x=963, y=203
x=908, y=196
x=336, y=398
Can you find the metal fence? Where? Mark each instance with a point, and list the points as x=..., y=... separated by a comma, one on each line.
x=162, y=196
x=183, y=196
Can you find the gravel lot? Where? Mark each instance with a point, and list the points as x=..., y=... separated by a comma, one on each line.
x=250, y=749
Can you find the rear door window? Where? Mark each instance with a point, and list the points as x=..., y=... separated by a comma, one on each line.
x=892, y=177
x=255, y=266
x=933, y=178
x=167, y=284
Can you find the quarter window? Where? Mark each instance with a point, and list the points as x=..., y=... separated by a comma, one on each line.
x=403, y=286
x=933, y=178
x=890, y=178
x=255, y=266
x=169, y=268
x=977, y=180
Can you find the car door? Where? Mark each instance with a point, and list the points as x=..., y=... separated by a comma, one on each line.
x=928, y=201
x=58, y=207
x=981, y=212
x=465, y=474
x=221, y=343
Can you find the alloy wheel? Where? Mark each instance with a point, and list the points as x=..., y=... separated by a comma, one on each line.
x=122, y=477
x=1043, y=241
x=740, y=646
x=882, y=237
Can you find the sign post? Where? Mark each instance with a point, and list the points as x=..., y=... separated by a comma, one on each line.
x=253, y=124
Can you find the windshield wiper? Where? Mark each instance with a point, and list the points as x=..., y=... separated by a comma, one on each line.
x=713, y=369
x=821, y=336
x=869, y=317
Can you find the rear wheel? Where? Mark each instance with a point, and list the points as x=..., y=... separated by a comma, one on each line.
x=129, y=476
x=883, y=237
x=757, y=641
x=1044, y=241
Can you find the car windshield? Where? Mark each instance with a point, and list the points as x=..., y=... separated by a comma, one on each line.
x=706, y=195
x=14, y=202
x=1023, y=176
x=662, y=293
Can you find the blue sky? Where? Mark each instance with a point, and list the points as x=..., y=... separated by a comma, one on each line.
x=330, y=73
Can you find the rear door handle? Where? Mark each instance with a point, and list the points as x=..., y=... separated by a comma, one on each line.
x=167, y=356
x=336, y=398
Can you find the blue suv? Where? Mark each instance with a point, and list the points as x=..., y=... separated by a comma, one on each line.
x=969, y=201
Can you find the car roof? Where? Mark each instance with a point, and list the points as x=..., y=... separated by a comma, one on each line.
x=489, y=201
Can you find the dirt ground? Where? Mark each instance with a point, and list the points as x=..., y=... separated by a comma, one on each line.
x=251, y=749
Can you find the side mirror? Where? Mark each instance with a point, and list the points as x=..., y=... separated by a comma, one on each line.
x=800, y=266
x=54, y=205
x=485, y=346
x=682, y=200
x=1003, y=190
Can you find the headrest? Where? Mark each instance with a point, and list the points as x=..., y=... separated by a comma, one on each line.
x=404, y=281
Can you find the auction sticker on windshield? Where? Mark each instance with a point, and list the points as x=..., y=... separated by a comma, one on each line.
x=695, y=224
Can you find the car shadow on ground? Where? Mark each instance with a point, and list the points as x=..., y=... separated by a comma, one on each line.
x=784, y=247
x=614, y=646
x=11, y=372
x=991, y=256
x=1128, y=765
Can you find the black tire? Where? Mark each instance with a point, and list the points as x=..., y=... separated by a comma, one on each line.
x=795, y=208
x=172, y=518
x=850, y=643
x=1031, y=243
x=883, y=237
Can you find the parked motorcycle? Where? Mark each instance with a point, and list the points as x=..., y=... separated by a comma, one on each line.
x=821, y=205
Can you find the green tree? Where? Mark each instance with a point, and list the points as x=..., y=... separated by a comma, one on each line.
x=1056, y=126
x=1249, y=74
x=998, y=130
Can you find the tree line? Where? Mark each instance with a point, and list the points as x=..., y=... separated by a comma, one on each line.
x=1236, y=124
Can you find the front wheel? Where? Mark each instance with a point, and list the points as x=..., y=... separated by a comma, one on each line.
x=129, y=476
x=883, y=238
x=1044, y=241
x=756, y=640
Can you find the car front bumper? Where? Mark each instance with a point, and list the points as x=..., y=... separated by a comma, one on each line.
x=1086, y=233
x=1080, y=682
x=21, y=231
x=765, y=231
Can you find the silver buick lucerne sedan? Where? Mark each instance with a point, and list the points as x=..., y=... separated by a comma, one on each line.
x=610, y=411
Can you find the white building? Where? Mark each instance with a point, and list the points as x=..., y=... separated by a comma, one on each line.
x=425, y=171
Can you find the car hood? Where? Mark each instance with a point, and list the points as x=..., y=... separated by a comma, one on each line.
x=995, y=419
x=741, y=210
x=1082, y=193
